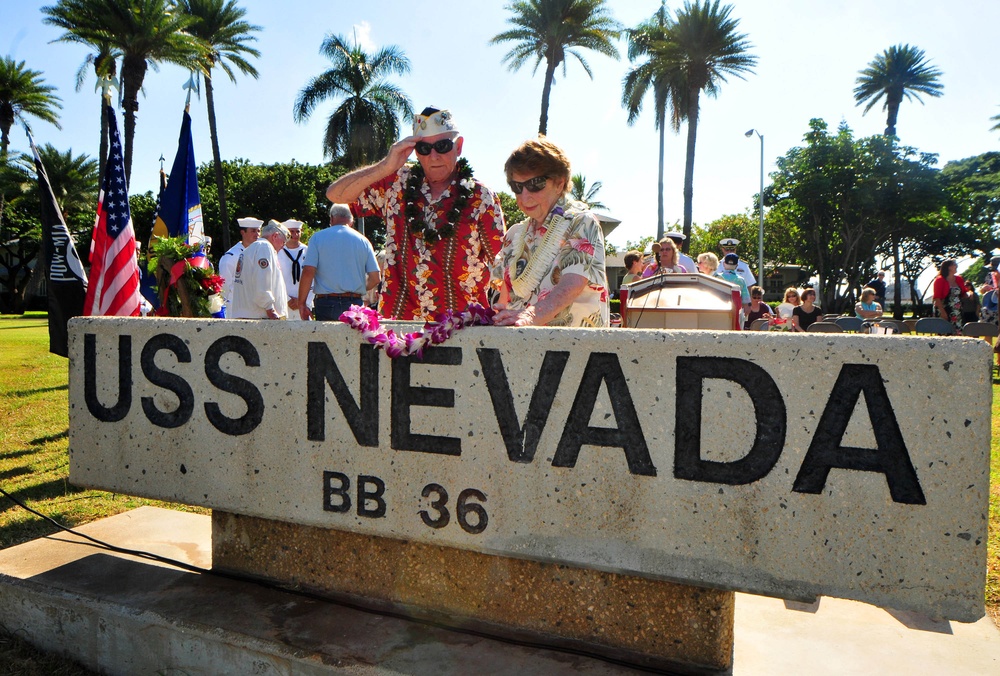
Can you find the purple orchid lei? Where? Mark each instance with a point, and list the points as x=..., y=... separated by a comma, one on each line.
x=435, y=332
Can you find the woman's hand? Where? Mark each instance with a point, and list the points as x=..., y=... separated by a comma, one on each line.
x=505, y=317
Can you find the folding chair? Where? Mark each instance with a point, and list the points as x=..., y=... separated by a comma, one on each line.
x=760, y=324
x=849, y=324
x=934, y=326
x=824, y=327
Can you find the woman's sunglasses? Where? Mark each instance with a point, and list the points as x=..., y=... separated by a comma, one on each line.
x=443, y=146
x=536, y=184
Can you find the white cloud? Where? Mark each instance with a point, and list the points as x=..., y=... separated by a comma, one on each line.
x=361, y=33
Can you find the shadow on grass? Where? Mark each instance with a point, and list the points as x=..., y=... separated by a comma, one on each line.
x=17, y=454
x=40, y=390
x=56, y=488
x=41, y=441
x=14, y=472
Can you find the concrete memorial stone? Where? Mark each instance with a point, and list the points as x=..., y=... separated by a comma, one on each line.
x=785, y=465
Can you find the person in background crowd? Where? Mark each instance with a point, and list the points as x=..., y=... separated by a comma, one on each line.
x=730, y=273
x=667, y=261
x=878, y=285
x=867, y=308
x=758, y=309
x=808, y=313
x=708, y=264
x=989, y=310
x=443, y=227
x=789, y=302
x=633, y=267
x=258, y=289
x=948, y=291
x=728, y=246
x=550, y=271
x=340, y=267
x=682, y=258
x=249, y=231
x=290, y=259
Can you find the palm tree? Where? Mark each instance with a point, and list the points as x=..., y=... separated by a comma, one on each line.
x=708, y=48
x=144, y=32
x=366, y=123
x=996, y=127
x=225, y=36
x=580, y=192
x=898, y=72
x=551, y=29
x=74, y=179
x=659, y=74
x=23, y=92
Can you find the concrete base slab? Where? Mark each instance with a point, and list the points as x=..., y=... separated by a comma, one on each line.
x=121, y=615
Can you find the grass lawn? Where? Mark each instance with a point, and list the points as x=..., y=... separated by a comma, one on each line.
x=34, y=466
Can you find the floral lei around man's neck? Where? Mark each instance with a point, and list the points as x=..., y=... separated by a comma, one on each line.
x=435, y=332
x=414, y=214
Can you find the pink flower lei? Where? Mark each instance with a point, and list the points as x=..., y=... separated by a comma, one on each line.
x=435, y=332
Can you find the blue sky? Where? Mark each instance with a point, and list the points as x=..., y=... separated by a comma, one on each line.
x=809, y=55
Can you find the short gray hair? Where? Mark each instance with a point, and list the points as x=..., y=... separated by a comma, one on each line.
x=341, y=212
x=273, y=227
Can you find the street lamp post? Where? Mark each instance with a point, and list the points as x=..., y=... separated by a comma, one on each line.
x=760, y=208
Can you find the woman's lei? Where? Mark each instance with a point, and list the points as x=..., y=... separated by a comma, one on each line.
x=414, y=213
x=434, y=332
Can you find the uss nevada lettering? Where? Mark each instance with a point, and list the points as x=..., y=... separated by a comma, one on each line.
x=362, y=412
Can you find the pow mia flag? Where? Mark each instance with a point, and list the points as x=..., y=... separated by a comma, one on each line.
x=67, y=281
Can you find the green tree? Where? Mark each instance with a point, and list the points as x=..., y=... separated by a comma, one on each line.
x=550, y=30
x=22, y=92
x=582, y=193
x=839, y=199
x=367, y=122
x=279, y=191
x=74, y=180
x=511, y=212
x=144, y=32
x=707, y=48
x=973, y=187
x=658, y=73
x=225, y=36
x=899, y=72
x=996, y=127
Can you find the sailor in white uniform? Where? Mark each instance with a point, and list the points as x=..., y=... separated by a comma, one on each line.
x=258, y=289
x=290, y=260
x=249, y=231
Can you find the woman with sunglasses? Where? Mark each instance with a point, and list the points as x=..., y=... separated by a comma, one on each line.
x=668, y=260
x=551, y=268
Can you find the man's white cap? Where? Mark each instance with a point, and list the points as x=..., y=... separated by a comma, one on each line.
x=292, y=224
x=431, y=122
x=673, y=234
x=250, y=222
x=729, y=242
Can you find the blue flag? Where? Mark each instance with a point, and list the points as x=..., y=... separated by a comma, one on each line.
x=179, y=213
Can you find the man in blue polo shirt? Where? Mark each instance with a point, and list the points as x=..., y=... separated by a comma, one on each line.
x=340, y=266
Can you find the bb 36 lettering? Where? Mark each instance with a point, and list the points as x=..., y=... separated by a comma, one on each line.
x=369, y=500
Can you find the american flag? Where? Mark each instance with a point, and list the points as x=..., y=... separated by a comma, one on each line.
x=114, y=272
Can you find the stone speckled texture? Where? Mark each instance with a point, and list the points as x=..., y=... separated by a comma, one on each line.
x=648, y=622
x=672, y=455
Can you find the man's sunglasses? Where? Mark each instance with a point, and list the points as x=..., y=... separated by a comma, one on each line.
x=536, y=184
x=443, y=146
